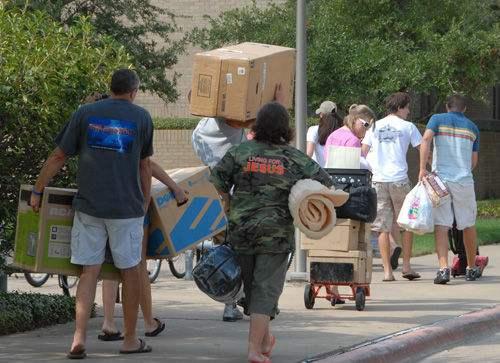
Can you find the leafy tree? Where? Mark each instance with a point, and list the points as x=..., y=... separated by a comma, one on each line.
x=45, y=72
x=361, y=51
x=138, y=25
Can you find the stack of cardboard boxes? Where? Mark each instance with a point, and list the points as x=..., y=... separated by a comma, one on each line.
x=342, y=256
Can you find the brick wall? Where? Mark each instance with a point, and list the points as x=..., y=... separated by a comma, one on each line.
x=190, y=14
x=173, y=149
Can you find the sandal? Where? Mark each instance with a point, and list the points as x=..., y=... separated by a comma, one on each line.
x=107, y=336
x=143, y=348
x=78, y=353
x=388, y=280
x=395, y=257
x=411, y=275
x=158, y=330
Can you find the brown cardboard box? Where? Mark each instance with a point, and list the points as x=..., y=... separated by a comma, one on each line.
x=43, y=240
x=235, y=81
x=343, y=237
x=343, y=267
x=174, y=229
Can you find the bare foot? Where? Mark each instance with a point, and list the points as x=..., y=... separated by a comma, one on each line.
x=254, y=357
x=268, y=345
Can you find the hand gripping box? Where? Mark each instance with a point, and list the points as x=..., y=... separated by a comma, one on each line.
x=234, y=82
x=43, y=239
x=174, y=229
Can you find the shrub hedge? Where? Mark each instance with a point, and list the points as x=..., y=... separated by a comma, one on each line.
x=27, y=311
x=189, y=123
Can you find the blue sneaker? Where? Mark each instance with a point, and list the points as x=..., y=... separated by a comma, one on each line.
x=442, y=276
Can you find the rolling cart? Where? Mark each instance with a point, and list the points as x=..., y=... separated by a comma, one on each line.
x=312, y=291
x=343, y=257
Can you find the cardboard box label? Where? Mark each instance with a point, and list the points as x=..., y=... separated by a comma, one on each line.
x=204, y=85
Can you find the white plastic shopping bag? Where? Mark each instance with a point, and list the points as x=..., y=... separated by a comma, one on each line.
x=416, y=214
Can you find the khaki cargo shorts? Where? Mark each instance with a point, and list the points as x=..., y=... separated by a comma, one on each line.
x=462, y=205
x=390, y=198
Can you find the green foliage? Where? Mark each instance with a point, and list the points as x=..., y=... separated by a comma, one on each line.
x=361, y=51
x=45, y=72
x=27, y=311
x=137, y=25
x=175, y=123
x=189, y=123
x=488, y=208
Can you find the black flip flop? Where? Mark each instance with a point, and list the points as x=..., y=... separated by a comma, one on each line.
x=411, y=275
x=143, y=348
x=158, y=330
x=77, y=354
x=107, y=336
x=395, y=257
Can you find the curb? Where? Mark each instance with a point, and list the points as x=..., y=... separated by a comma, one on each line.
x=417, y=343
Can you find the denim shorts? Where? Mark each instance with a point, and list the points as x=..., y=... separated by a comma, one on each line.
x=89, y=236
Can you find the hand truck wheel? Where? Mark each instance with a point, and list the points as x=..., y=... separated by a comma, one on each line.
x=360, y=299
x=309, y=296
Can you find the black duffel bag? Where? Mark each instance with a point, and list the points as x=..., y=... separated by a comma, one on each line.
x=218, y=274
x=361, y=205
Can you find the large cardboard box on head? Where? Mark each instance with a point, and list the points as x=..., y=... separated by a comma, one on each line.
x=174, y=229
x=43, y=240
x=234, y=82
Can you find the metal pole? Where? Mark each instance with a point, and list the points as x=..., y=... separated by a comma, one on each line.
x=188, y=255
x=300, y=119
x=3, y=281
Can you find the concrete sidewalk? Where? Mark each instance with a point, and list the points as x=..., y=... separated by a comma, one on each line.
x=196, y=333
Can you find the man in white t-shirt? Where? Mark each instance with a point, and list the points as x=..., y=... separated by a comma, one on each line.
x=388, y=140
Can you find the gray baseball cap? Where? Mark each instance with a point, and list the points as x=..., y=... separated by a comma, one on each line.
x=326, y=107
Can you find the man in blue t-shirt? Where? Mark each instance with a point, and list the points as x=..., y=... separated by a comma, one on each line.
x=113, y=140
x=456, y=147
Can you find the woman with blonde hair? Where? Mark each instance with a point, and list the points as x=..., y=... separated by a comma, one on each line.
x=359, y=119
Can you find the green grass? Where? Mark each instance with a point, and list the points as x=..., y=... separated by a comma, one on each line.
x=488, y=232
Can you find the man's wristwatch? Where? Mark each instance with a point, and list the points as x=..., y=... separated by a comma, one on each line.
x=35, y=192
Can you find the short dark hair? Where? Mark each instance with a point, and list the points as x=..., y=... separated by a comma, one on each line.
x=272, y=125
x=456, y=102
x=124, y=81
x=397, y=101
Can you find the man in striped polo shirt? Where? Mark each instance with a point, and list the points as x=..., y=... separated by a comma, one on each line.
x=456, y=147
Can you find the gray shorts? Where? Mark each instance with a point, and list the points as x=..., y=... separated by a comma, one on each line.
x=263, y=280
x=90, y=234
x=462, y=206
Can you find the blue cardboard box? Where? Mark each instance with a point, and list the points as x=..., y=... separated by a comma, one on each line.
x=175, y=229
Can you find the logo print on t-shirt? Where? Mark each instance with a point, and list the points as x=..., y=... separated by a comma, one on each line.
x=388, y=134
x=110, y=134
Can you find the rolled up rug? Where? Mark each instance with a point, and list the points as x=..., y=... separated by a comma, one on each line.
x=312, y=206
